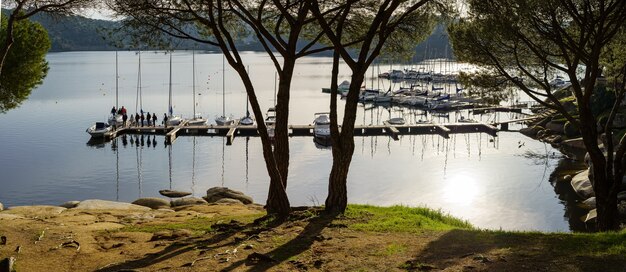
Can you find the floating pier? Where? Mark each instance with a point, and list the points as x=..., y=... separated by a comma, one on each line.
x=232, y=131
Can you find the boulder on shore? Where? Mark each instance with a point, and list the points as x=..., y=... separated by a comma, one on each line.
x=581, y=185
x=173, y=193
x=188, y=201
x=621, y=195
x=154, y=203
x=1, y=206
x=531, y=131
x=589, y=203
x=228, y=201
x=35, y=211
x=591, y=216
x=97, y=204
x=70, y=204
x=216, y=193
x=573, y=148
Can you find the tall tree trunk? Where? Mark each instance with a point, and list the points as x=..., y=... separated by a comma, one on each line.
x=277, y=200
x=281, y=132
x=606, y=200
x=337, y=199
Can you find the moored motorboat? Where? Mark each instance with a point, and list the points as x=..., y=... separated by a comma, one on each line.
x=396, y=121
x=321, y=129
x=98, y=130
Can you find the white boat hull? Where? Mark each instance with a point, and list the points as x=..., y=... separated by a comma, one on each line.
x=116, y=120
x=98, y=131
x=224, y=121
x=197, y=122
x=174, y=120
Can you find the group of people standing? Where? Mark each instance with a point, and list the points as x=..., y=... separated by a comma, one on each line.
x=140, y=119
x=147, y=120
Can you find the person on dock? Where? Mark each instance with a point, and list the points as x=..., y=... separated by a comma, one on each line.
x=136, y=119
x=142, y=118
x=165, y=119
x=148, y=117
x=113, y=111
x=154, y=119
x=123, y=110
x=124, y=119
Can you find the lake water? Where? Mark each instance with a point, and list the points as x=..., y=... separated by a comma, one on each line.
x=501, y=182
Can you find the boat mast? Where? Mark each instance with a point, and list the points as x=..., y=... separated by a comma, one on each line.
x=223, y=85
x=193, y=86
x=275, y=78
x=116, y=82
x=138, y=102
x=171, y=110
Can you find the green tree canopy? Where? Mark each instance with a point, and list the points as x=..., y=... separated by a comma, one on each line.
x=25, y=65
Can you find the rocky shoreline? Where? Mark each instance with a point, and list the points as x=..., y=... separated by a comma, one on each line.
x=215, y=195
x=547, y=128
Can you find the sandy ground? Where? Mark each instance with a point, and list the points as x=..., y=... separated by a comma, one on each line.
x=48, y=239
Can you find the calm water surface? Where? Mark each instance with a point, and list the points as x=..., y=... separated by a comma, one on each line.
x=492, y=182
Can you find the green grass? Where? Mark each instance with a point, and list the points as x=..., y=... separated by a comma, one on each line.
x=401, y=219
x=199, y=225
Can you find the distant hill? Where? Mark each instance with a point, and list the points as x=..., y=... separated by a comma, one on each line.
x=77, y=33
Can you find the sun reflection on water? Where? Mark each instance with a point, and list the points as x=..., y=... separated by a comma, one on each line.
x=460, y=189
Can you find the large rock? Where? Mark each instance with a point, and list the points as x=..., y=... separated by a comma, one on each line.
x=581, y=185
x=531, y=131
x=216, y=193
x=228, y=201
x=97, y=204
x=555, y=126
x=70, y=204
x=621, y=195
x=154, y=203
x=35, y=211
x=173, y=194
x=589, y=203
x=573, y=148
x=1, y=206
x=591, y=216
x=188, y=201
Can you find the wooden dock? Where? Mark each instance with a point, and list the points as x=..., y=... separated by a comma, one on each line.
x=231, y=132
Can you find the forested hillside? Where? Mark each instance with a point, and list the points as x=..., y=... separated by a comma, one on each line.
x=77, y=33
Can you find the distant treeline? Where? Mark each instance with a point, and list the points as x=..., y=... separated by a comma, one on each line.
x=77, y=33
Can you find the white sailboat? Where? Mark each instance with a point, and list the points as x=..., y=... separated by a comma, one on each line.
x=197, y=119
x=116, y=118
x=247, y=120
x=224, y=120
x=172, y=120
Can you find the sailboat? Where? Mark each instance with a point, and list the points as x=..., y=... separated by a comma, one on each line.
x=247, y=120
x=224, y=120
x=197, y=119
x=116, y=118
x=172, y=120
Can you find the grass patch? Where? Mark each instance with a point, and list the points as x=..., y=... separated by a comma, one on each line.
x=401, y=219
x=393, y=249
x=592, y=243
x=200, y=224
